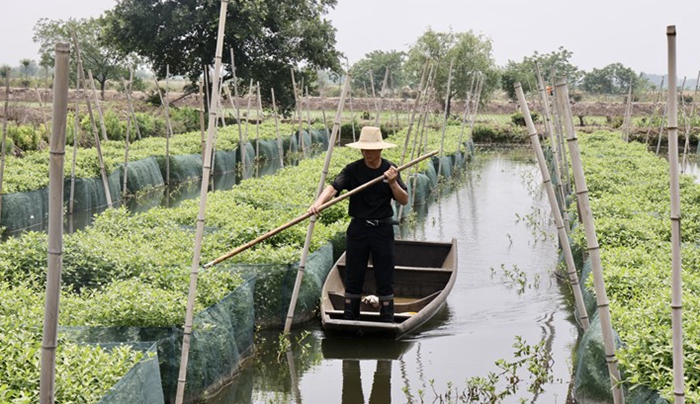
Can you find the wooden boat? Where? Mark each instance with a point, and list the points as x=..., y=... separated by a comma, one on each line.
x=424, y=275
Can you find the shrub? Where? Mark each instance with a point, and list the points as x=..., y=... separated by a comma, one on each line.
x=519, y=119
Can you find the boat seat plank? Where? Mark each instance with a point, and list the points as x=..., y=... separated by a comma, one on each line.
x=408, y=305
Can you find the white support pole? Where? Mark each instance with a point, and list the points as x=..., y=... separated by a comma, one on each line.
x=592, y=246
x=676, y=261
x=55, y=246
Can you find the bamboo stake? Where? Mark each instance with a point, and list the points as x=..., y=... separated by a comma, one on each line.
x=381, y=96
x=260, y=119
x=201, y=120
x=663, y=120
x=4, y=134
x=97, y=105
x=653, y=113
x=352, y=113
x=307, y=242
x=241, y=144
x=554, y=204
x=677, y=270
x=628, y=115
x=206, y=167
x=444, y=121
x=169, y=128
x=126, y=155
x=550, y=133
x=308, y=111
x=688, y=124
x=129, y=103
x=559, y=143
x=297, y=110
x=244, y=150
x=277, y=129
x=81, y=74
x=306, y=215
x=416, y=105
x=593, y=248
x=41, y=108
x=467, y=100
x=55, y=246
x=374, y=94
x=76, y=134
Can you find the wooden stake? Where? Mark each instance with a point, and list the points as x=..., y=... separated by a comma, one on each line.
x=677, y=270
x=126, y=155
x=553, y=203
x=593, y=248
x=444, y=121
x=169, y=128
x=206, y=168
x=55, y=251
x=41, y=108
x=3, y=151
x=76, y=135
x=99, y=108
x=381, y=96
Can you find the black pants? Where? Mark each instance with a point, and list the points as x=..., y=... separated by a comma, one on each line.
x=363, y=240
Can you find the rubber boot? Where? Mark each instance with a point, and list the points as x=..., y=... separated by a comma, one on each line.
x=352, y=308
x=386, y=311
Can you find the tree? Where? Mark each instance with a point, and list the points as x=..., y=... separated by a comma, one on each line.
x=614, y=78
x=555, y=63
x=105, y=61
x=268, y=38
x=377, y=62
x=471, y=54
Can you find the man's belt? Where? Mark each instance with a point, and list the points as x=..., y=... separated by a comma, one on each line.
x=376, y=222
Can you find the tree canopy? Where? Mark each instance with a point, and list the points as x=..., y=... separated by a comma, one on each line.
x=471, y=53
x=554, y=63
x=268, y=38
x=614, y=78
x=105, y=61
x=376, y=63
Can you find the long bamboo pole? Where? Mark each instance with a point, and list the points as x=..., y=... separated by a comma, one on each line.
x=467, y=100
x=297, y=110
x=41, y=108
x=593, y=248
x=206, y=168
x=688, y=124
x=201, y=119
x=129, y=103
x=550, y=133
x=98, y=146
x=381, y=96
x=76, y=135
x=97, y=105
x=241, y=144
x=4, y=134
x=168, y=128
x=82, y=81
x=244, y=150
x=554, y=204
x=306, y=215
x=259, y=120
x=322, y=180
x=444, y=120
x=677, y=270
x=55, y=246
x=126, y=155
x=280, y=150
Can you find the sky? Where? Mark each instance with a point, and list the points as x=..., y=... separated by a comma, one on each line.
x=598, y=32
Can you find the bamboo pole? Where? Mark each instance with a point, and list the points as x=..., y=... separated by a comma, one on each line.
x=554, y=204
x=103, y=172
x=169, y=128
x=653, y=112
x=352, y=115
x=244, y=150
x=307, y=242
x=259, y=120
x=41, y=108
x=280, y=152
x=127, y=91
x=55, y=245
x=3, y=150
x=550, y=133
x=444, y=121
x=467, y=100
x=677, y=270
x=76, y=134
x=688, y=124
x=381, y=96
x=241, y=144
x=306, y=215
x=374, y=94
x=628, y=115
x=201, y=119
x=126, y=155
x=593, y=248
x=206, y=168
x=297, y=110
x=97, y=105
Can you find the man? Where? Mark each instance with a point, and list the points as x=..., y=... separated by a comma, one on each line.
x=371, y=230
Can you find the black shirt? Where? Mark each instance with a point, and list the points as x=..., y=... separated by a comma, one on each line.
x=373, y=202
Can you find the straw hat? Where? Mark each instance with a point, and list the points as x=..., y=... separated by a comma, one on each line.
x=370, y=139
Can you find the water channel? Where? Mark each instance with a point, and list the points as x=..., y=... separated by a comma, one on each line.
x=506, y=288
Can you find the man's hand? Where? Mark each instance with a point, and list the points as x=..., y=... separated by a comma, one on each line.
x=391, y=174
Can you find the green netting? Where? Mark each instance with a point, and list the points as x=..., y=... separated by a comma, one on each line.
x=143, y=174
x=249, y=153
x=592, y=379
x=224, y=162
x=420, y=196
x=142, y=383
x=22, y=210
x=320, y=137
x=90, y=193
x=306, y=138
x=182, y=167
x=431, y=172
x=445, y=166
x=268, y=150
